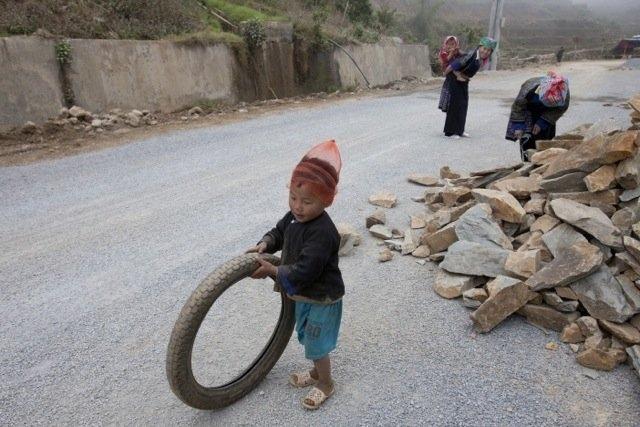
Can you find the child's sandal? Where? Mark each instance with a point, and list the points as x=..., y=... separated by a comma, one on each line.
x=302, y=379
x=315, y=398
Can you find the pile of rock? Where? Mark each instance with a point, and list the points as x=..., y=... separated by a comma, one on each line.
x=635, y=112
x=554, y=240
x=79, y=119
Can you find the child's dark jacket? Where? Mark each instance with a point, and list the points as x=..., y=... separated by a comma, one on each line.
x=309, y=265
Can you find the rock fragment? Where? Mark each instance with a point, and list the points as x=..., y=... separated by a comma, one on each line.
x=381, y=232
x=634, y=355
x=378, y=217
x=477, y=225
x=602, y=360
x=426, y=180
x=571, y=334
x=588, y=219
x=441, y=239
x=349, y=238
x=561, y=237
x=385, y=255
x=447, y=173
x=602, y=178
x=623, y=331
x=575, y=262
x=503, y=204
x=570, y=182
x=449, y=285
x=602, y=296
x=471, y=258
x=520, y=187
x=523, y=264
x=511, y=296
x=421, y=251
x=547, y=317
x=384, y=199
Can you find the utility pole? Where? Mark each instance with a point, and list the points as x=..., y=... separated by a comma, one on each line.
x=495, y=25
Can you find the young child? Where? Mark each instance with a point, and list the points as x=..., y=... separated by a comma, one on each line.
x=449, y=51
x=309, y=271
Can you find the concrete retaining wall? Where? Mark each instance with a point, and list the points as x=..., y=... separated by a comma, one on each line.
x=167, y=76
x=382, y=63
x=550, y=58
x=29, y=80
x=155, y=75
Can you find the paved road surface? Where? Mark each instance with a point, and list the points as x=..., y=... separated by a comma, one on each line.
x=98, y=252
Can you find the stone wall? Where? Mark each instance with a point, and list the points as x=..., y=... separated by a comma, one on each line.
x=168, y=76
x=155, y=75
x=550, y=58
x=29, y=80
x=382, y=63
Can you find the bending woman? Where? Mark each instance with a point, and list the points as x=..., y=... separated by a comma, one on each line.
x=456, y=82
x=538, y=106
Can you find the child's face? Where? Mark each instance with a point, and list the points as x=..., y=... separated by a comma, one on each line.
x=451, y=44
x=304, y=205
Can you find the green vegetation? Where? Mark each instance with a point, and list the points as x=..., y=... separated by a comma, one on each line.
x=63, y=52
x=199, y=21
x=253, y=33
x=238, y=13
x=207, y=38
x=358, y=11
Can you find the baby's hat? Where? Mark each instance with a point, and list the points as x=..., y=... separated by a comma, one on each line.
x=320, y=170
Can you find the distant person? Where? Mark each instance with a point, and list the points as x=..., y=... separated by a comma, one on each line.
x=449, y=52
x=535, y=111
x=560, y=54
x=458, y=73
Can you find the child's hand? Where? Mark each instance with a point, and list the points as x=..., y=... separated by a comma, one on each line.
x=266, y=269
x=259, y=248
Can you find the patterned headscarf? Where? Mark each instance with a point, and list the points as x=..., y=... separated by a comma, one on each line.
x=553, y=89
x=320, y=170
x=489, y=43
x=448, y=39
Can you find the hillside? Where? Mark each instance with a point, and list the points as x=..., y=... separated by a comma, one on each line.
x=531, y=26
x=182, y=19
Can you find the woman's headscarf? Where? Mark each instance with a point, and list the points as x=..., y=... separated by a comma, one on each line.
x=320, y=170
x=553, y=89
x=489, y=43
x=448, y=39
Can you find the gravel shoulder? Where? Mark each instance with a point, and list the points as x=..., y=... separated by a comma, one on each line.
x=100, y=250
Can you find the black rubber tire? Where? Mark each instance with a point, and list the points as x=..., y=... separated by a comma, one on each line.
x=179, y=372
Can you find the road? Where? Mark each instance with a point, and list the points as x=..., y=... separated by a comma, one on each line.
x=99, y=251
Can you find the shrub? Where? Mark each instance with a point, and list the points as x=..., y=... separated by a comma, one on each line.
x=386, y=18
x=63, y=52
x=359, y=11
x=253, y=33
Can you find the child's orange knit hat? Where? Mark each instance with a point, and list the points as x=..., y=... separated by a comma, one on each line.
x=320, y=170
